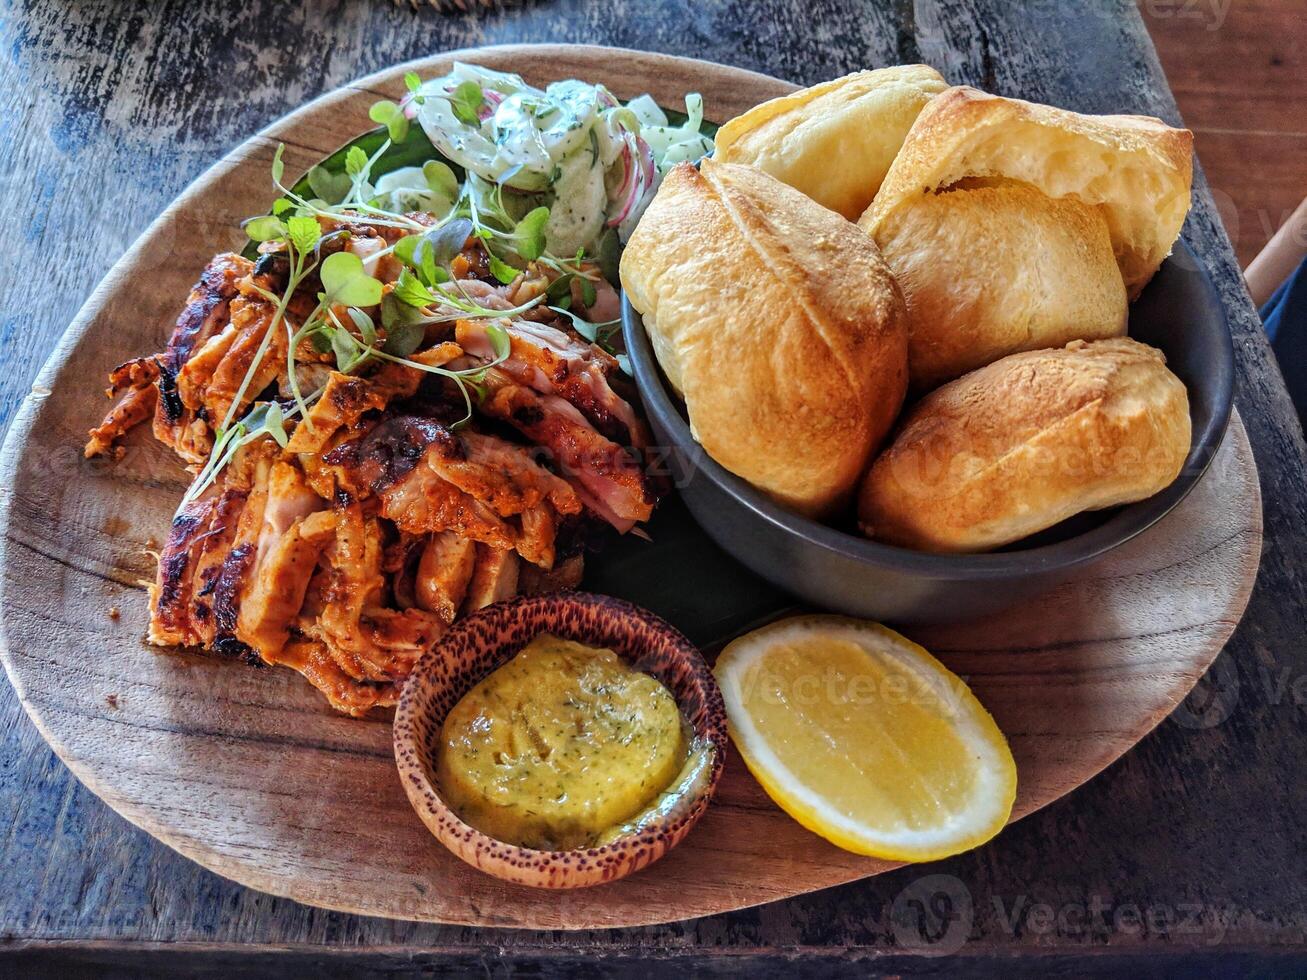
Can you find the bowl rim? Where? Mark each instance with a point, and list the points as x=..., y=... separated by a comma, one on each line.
x=1129, y=521
x=411, y=768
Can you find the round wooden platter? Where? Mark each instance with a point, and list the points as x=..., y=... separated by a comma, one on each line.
x=249, y=773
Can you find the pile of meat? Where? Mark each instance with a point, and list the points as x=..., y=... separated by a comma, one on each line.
x=348, y=554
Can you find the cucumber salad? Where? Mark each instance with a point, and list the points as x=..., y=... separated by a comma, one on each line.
x=571, y=147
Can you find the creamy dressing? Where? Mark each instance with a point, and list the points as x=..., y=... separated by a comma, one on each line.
x=565, y=746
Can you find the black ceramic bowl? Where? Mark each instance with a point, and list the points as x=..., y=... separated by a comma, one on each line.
x=1179, y=312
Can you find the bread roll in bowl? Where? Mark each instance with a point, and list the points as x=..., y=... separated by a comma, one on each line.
x=1030, y=440
x=1135, y=169
x=992, y=268
x=778, y=323
x=834, y=141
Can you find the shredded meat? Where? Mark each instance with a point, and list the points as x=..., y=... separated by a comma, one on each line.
x=404, y=499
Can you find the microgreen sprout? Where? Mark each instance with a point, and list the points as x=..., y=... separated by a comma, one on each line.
x=597, y=333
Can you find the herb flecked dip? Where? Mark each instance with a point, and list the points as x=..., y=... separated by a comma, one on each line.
x=563, y=747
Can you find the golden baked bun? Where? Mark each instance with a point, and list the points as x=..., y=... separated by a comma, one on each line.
x=778, y=323
x=834, y=141
x=1027, y=442
x=992, y=269
x=1135, y=169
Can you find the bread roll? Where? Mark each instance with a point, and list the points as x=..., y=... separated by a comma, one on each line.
x=777, y=322
x=992, y=269
x=834, y=141
x=1027, y=442
x=1135, y=169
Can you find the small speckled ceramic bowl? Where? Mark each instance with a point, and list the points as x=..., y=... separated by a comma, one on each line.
x=489, y=638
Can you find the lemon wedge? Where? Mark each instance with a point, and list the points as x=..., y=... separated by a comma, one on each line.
x=866, y=739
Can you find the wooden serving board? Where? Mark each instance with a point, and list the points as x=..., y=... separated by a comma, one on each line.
x=249, y=773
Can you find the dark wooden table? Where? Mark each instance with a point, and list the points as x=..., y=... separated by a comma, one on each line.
x=1188, y=855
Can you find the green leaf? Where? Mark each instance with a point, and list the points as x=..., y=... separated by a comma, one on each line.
x=560, y=290
x=321, y=341
x=431, y=272
x=609, y=255
x=588, y=294
x=278, y=166
x=405, y=249
x=275, y=424
x=596, y=333
x=264, y=228
x=430, y=253
x=466, y=103
x=396, y=313
x=448, y=240
x=412, y=81
x=409, y=289
x=499, y=340
x=349, y=352
x=441, y=179
x=404, y=338
x=363, y=323
x=585, y=328
x=331, y=188
x=281, y=205
x=346, y=282
x=356, y=160
x=501, y=270
x=392, y=117
x=529, y=236
x=303, y=232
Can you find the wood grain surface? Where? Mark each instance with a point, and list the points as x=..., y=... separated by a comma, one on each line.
x=1250, y=124
x=1201, y=825
x=250, y=773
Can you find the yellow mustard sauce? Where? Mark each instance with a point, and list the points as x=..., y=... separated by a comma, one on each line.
x=562, y=746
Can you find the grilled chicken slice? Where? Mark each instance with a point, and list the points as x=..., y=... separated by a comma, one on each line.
x=606, y=476
x=295, y=530
x=192, y=602
x=423, y=502
x=444, y=572
x=495, y=577
x=347, y=398
x=135, y=406
x=134, y=384
x=547, y=360
x=480, y=486
x=206, y=312
x=207, y=315
x=210, y=382
x=349, y=696
x=368, y=641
